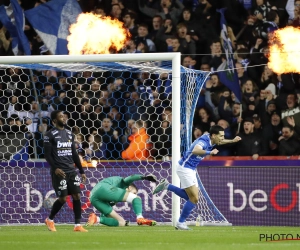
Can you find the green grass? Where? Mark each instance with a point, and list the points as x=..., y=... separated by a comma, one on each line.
x=134, y=237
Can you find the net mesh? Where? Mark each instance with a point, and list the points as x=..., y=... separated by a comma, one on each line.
x=102, y=104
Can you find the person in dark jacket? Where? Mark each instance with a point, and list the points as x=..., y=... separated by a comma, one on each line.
x=289, y=143
x=251, y=144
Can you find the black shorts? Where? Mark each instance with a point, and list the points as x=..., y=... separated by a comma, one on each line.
x=66, y=186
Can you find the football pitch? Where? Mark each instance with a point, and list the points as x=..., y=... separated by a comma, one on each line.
x=154, y=238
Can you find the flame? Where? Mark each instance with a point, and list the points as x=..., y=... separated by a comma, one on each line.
x=96, y=34
x=284, y=51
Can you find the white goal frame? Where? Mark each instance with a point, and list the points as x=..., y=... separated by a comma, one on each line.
x=175, y=57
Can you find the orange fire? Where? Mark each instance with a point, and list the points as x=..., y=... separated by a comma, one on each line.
x=284, y=51
x=95, y=34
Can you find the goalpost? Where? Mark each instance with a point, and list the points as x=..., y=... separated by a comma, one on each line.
x=186, y=85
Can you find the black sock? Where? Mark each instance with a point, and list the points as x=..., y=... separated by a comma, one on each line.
x=55, y=209
x=77, y=211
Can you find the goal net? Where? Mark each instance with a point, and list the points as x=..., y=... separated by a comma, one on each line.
x=113, y=104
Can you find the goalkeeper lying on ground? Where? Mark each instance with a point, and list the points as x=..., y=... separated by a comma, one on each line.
x=115, y=189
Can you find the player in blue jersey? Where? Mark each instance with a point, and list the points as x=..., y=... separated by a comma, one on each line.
x=187, y=167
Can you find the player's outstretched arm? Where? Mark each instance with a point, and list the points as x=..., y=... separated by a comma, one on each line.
x=226, y=141
x=137, y=177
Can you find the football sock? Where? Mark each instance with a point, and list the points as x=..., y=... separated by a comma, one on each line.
x=187, y=209
x=137, y=206
x=178, y=191
x=109, y=221
x=57, y=205
x=77, y=211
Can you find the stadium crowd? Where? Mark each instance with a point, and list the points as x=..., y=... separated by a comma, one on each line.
x=114, y=114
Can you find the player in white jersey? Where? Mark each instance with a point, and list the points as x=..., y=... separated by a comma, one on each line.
x=187, y=167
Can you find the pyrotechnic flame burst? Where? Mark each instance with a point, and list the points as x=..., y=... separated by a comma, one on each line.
x=284, y=51
x=95, y=34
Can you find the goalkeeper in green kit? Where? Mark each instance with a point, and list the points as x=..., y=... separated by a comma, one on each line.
x=116, y=189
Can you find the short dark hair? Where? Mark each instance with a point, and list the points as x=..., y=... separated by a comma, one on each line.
x=131, y=14
x=143, y=25
x=215, y=129
x=54, y=114
x=156, y=16
x=133, y=185
x=168, y=109
x=289, y=127
x=139, y=123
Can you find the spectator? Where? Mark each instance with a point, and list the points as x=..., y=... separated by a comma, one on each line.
x=98, y=115
x=12, y=107
x=197, y=132
x=267, y=77
x=215, y=58
x=136, y=107
x=143, y=37
x=99, y=10
x=110, y=137
x=269, y=26
x=48, y=94
x=127, y=132
x=117, y=91
x=250, y=98
x=162, y=142
x=251, y=144
x=266, y=106
x=295, y=15
x=31, y=117
x=82, y=117
x=257, y=125
x=117, y=120
x=187, y=44
x=289, y=144
x=167, y=115
x=271, y=133
x=14, y=125
x=139, y=147
x=166, y=9
x=79, y=139
x=293, y=109
x=94, y=94
x=163, y=40
x=261, y=9
x=116, y=11
x=5, y=44
x=203, y=119
x=188, y=62
x=130, y=47
x=96, y=149
x=104, y=101
x=129, y=22
x=157, y=22
x=242, y=74
x=225, y=150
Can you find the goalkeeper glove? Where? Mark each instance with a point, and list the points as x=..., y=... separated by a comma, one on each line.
x=150, y=177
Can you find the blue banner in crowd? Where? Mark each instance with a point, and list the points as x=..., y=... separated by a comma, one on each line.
x=52, y=21
x=12, y=18
x=228, y=77
x=247, y=4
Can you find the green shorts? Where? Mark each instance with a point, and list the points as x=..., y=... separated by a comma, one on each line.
x=103, y=195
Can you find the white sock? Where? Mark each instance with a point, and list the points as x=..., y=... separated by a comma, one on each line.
x=139, y=216
x=98, y=219
x=49, y=219
x=77, y=225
